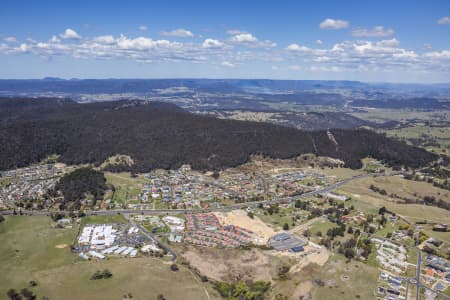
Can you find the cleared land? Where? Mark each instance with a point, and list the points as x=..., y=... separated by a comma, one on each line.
x=240, y=218
x=367, y=200
x=383, y=115
x=127, y=189
x=233, y=264
x=342, y=280
x=32, y=250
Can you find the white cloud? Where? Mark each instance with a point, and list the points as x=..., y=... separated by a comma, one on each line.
x=350, y=55
x=212, y=43
x=10, y=39
x=234, y=32
x=377, y=31
x=143, y=43
x=244, y=38
x=438, y=54
x=250, y=40
x=70, y=34
x=23, y=48
x=319, y=42
x=227, y=64
x=324, y=69
x=444, y=21
x=388, y=43
x=297, y=48
x=105, y=39
x=143, y=28
x=333, y=24
x=55, y=39
x=178, y=33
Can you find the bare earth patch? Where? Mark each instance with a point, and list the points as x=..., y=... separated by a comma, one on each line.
x=232, y=264
x=240, y=218
x=303, y=290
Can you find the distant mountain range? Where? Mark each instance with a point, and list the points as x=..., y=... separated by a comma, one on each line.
x=255, y=94
x=54, y=84
x=162, y=135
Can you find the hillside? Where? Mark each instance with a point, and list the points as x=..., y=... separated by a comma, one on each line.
x=161, y=135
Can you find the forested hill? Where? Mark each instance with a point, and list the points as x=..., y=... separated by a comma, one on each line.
x=161, y=135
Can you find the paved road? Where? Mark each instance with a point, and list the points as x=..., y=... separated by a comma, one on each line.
x=151, y=236
x=419, y=264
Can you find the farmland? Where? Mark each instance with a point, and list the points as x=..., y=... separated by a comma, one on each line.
x=32, y=246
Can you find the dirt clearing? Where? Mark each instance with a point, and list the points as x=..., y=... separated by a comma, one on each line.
x=233, y=264
x=239, y=218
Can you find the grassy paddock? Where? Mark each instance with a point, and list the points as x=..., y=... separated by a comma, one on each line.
x=360, y=284
x=31, y=249
x=103, y=219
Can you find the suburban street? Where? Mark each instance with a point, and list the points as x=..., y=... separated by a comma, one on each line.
x=198, y=210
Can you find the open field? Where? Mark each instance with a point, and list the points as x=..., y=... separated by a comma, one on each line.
x=383, y=115
x=342, y=280
x=439, y=134
x=363, y=198
x=340, y=173
x=103, y=219
x=127, y=189
x=359, y=189
x=31, y=249
x=276, y=220
x=141, y=277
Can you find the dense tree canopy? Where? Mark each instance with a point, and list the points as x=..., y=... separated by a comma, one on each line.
x=81, y=182
x=161, y=135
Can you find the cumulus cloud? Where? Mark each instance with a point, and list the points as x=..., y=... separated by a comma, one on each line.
x=360, y=55
x=250, y=40
x=444, y=21
x=297, y=48
x=438, y=54
x=180, y=32
x=70, y=34
x=388, y=43
x=377, y=31
x=319, y=42
x=143, y=28
x=244, y=38
x=10, y=39
x=55, y=39
x=143, y=43
x=212, y=43
x=333, y=24
x=105, y=39
x=227, y=64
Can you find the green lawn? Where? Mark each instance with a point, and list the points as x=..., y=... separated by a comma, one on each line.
x=103, y=219
x=277, y=220
x=127, y=188
x=321, y=225
x=32, y=249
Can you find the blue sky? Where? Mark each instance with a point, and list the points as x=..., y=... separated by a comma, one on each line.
x=396, y=41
